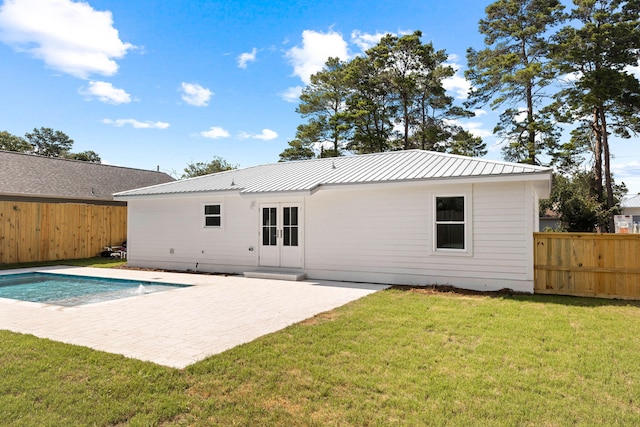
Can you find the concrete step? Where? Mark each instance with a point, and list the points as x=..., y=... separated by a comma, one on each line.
x=276, y=275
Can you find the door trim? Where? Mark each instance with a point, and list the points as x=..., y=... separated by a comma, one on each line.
x=277, y=253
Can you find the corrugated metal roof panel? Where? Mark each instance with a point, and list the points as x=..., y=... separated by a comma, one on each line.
x=306, y=175
x=631, y=202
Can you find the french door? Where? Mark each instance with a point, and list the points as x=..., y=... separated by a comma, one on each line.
x=281, y=235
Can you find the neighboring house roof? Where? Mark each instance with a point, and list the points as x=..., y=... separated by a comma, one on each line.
x=26, y=175
x=550, y=213
x=631, y=202
x=309, y=175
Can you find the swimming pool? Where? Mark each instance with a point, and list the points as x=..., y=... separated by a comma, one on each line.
x=69, y=290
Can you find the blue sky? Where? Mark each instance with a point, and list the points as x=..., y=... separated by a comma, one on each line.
x=164, y=83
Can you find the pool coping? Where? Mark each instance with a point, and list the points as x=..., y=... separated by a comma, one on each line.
x=180, y=326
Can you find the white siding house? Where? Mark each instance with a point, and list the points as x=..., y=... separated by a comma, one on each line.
x=406, y=217
x=631, y=205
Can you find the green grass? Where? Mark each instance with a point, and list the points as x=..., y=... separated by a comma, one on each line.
x=86, y=262
x=393, y=358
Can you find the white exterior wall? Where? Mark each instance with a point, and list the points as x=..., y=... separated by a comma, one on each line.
x=388, y=236
x=364, y=233
x=169, y=233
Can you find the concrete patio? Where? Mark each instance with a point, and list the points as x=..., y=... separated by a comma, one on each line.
x=182, y=326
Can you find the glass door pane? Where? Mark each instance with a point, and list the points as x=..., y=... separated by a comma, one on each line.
x=269, y=226
x=290, y=226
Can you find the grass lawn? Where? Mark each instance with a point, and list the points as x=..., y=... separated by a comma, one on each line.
x=86, y=262
x=396, y=357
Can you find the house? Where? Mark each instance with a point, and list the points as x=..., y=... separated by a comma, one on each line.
x=405, y=217
x=630, y=218
x=631, y=206
x=550, y=220
x=54, y=209
x=27, y=177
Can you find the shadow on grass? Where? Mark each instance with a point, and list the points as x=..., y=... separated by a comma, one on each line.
x=509, y=294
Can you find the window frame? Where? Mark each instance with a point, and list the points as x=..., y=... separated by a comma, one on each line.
x=219, y=215
x=466, y=222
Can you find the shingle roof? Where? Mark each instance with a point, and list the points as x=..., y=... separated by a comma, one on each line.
x=308, y=175
x=37, y=176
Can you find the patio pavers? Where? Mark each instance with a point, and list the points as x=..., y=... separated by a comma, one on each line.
x=182, y=326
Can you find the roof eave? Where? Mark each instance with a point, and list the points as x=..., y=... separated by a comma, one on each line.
x=127, y=196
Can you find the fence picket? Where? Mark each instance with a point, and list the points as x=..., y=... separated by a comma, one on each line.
x=33, y=231
x=584, y=264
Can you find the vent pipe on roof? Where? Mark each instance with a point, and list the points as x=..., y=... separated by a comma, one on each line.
x=333, y=164
x=158, y=168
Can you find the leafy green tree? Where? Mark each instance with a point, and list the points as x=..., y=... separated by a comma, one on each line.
x=575, y=198
x=303, y=146
x=569, y=156
x=602, y=95
x=323, y=101
x=218, y=164
x=407, y=66
x=49, y=143
x=466, y=144
x=85, y=156
x=358, y=105
x=513, y=70
x=297, y=150
x=433, y=125
x=371, y=112
x=11, y=142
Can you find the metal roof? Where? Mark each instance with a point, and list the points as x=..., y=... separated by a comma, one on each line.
x=631, y=202
x=28, y=175
x=308, y=175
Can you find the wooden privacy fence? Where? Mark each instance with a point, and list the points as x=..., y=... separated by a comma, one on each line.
x=583, y=264
x=34, y=231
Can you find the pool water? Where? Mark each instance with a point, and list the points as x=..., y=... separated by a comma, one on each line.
x=67, y=290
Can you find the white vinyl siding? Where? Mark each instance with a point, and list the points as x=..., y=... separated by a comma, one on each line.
x=364, y=233
x=170, y=232
x=385, y=235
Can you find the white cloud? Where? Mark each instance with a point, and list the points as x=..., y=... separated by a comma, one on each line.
x=196, y=95
x=626, y=170
x=475, y=128
x=215, y=132
x=365, y=40
x=456, y=84
x=292, y=94
x=570, y=77
x=629, y=173
x=136, y=123
x=68, y=36
x=634, y=70
x=265, y=135
x=105, y=92
x=247, y=57
x=316, y=49
x=521, y=117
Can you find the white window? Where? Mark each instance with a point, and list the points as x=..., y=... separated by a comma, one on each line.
x=213, y=216
x=450, y=224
